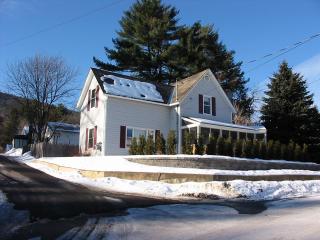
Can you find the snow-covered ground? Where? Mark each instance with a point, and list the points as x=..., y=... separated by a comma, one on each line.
x=285, y=220
x=255, y=190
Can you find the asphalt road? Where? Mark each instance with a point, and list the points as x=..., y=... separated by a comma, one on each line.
x=45, y=196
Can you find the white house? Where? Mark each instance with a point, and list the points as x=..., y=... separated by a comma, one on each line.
x=62, y=133
x=114, y=108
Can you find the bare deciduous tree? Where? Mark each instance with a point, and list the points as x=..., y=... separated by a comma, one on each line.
x=41, y=82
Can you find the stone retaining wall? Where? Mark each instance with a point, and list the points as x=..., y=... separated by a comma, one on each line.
x=177, y=177
x=214, y=162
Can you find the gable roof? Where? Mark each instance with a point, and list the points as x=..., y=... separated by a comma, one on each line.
x=163, y=89
x=63, y=127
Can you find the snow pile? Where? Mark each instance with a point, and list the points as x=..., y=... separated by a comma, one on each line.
x=130, y=88
x=254, y=190
x=119, y=163
x=14, y=152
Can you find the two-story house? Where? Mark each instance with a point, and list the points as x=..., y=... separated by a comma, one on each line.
x=115, y=108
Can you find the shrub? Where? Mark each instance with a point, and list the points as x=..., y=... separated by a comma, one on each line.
x=255, y=148
x=199, y=147
x=238, y=148
x=211, y=147
x=133, y=150
x=284, y=152
x=305, y=153
x=171, y=143
x=149, y=148
x=141, y=145
x=269, y=153
x=187, y=144
x=220, y=146
x=297, y=154
x=247, y=149
x=227, y=148
x=290, y=150
x=160, y=144
x=276, y=150
x=263, y=150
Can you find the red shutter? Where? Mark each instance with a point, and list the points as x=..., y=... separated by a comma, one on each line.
x=123, y=136
x=95, y=136
x=213, y=102
x=97, y=96
x=86, y=144
x=200, y=103
x=89, y=96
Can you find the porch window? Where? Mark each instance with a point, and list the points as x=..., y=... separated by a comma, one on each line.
x=90, y=138
x=93, y=98
x=205, y=134
x=242, y=135
x=233, y=135
x=207, y=105
x=225, y=134
x=215, y=132
x=250, y=136
x=193, y=133
x=260, y=136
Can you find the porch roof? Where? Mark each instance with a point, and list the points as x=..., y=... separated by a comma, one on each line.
x=227, y=126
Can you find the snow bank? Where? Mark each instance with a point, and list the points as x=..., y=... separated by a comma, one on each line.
x=130, y=88
x=119, y=163
x=254, y=190
x=14, y=152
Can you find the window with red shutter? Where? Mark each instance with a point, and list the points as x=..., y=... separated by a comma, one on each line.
x=97, y=96
x=122, y=136
x=213, y=103
x=200, y=103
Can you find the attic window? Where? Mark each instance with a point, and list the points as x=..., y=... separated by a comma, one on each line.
x=109, y=81
x=142, y=95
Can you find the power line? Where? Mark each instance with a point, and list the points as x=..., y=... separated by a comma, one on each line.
x=47, y=29
x=281, y=52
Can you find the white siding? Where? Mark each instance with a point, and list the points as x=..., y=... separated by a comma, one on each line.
x=190, y=104
x=62, y=137
x=123, y=112
x=92, y=118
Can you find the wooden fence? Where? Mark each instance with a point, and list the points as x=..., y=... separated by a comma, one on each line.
x=39, y=150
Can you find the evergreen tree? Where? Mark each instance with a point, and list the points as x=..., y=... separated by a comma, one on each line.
x=11, y=125
x=269, y=153
x=297, y=154
x=211, y=147
x=199, y=146
x=247, y=149
x=238, y=148
x=171, y=143
x=220, y=146
x=284, y=152
x=305, y=152
x=160, y=144
x=255, y=148
x=141, y=145
x=133, y=150
x=290, y=151
x=288, y=111
x=277, y=150
x=143, y=45
x=263, y=150
x=227, y=148
x=149, y=148
x=187, y=144
x=151, y=45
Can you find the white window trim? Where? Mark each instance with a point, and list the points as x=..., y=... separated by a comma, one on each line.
x=138, y=128
x=93, y=98
x=92, y=137
x=210, y=100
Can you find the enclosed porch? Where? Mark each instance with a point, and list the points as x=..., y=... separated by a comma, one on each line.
x=208, y=128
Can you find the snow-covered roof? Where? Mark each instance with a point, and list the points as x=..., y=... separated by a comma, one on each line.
x=119, y=86
x=211, y=122
x=64, y=127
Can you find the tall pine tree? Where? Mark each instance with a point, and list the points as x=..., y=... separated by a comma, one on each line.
x=288, y=112
x=151, y=45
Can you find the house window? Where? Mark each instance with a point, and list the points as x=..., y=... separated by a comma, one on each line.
x=205, y=134
x=225, y=134
x=93, y=98
x=242, y=135
x=207, y=105
x=137, y=132
x=90, y=138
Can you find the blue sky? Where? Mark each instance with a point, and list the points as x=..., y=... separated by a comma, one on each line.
x=251, y=28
